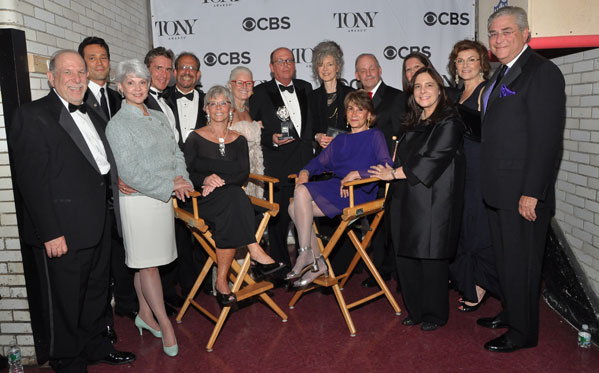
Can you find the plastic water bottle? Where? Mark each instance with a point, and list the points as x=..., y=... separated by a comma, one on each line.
x=584, y=337
x=14, y=358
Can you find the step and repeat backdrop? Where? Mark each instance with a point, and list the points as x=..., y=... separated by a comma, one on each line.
x=227, y=33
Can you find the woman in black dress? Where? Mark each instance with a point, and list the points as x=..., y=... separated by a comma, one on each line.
x=473, y=270
x=426, y=200
x=218, y=164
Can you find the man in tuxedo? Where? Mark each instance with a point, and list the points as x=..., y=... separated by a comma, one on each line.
x=282, y=156
x=389, y=106
x=522, y=129
x=66, y=173
x=187, y=104
x=106, y=102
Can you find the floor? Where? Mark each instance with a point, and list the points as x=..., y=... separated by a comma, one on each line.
x=316, y=339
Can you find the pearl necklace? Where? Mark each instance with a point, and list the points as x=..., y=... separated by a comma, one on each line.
x=221, y=140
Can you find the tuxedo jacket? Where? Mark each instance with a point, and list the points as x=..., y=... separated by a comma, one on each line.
x=172, y=103
x=317, y=105
x=389, y=107
x=283, y=160
x=63, y=190
x=114, y=103
x=522, y=131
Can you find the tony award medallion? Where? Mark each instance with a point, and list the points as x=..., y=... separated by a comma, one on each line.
x=283, y=115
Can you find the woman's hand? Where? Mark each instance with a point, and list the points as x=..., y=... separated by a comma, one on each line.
x=351, y=176
x=302, y=178
x=210, y=183
x=386, y=172
x=323, y=140
x=182, y=188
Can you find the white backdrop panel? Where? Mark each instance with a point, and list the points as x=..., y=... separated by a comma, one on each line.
x=227, y=33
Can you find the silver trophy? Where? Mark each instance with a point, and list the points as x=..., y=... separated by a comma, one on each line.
x=283, y=115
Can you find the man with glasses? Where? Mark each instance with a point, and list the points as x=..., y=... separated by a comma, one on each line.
x=523, y=123
x=283, y=155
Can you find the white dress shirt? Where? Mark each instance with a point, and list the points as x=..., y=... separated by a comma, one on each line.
x=292, y=103
x=167, y=111
x=188, y=113
x=91, y=137
x=376, y=87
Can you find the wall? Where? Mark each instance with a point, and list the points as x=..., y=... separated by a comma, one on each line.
x=51, y=25
x=578, y=178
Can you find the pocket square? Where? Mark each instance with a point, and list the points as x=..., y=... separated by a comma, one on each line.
x=505, y=91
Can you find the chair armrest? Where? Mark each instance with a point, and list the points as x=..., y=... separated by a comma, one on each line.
x=264, y=178
x=361, y=181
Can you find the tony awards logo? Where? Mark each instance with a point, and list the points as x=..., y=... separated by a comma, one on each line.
x=283, y=115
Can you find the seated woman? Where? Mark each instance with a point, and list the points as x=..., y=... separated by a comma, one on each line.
x=348, y=157
x=218, y=165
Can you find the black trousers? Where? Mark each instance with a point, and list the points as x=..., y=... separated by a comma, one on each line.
x=519, y=247
x=424, y=288
x=278, y=227
x=75, y=292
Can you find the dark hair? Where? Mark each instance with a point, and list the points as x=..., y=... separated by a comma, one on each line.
x=158, y=51
x=91, y=40
x=464, y=45
x=444, y=105
x=187, y=54
x=420, y=57
x=362, y=100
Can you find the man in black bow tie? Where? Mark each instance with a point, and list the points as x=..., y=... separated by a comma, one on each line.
x=66, y=173
x=282, y=156
x=523, y=123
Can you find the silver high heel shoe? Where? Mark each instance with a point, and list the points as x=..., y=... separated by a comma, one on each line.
x=321, y=268
x=295, y=273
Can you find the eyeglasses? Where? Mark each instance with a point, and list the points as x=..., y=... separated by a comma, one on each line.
x=504, y=33
x=187, y=67
x=288, y=61
x=214, y=104
x=242, y=83
x=470, y=61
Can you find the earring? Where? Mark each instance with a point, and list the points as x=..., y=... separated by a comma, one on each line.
x=207, y=118
x=482, y=76
x=368, y=122
x=457, y=79
x=347, y=127
x=230, y=116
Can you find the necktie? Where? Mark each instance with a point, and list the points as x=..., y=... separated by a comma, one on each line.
x=288, y=88
x=500, y=76
x=73, y=108
x=370, y=94
x=188, y=96
x=104, y=103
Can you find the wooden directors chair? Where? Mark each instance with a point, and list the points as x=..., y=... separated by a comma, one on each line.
x=243, y=285
x=337, y=282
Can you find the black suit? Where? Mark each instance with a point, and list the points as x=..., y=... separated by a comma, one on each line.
x=66, y=195
x=319, y=113
x=114, y=103
x=281, y=161
x=522, y=131
x=389, y=107
x=171, y=101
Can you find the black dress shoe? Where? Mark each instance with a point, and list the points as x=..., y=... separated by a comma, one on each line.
x=492, y=322
x=504, y=344
x=170, y=311
x=409, y=321
x=266, y=269
x=110, y=334
x=370, y=282
x=428, y=326
x=123, y=313
x=118, y=358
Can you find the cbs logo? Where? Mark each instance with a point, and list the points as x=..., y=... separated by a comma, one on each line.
x=446, y=18
x=266, y=23
x=227, y=58
x=391, y=52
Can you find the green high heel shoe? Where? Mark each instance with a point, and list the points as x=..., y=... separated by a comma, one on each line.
x=170, y=351
x=142, y=325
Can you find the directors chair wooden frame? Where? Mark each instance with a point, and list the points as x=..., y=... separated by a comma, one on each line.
x=243, y=285
x=337, y=282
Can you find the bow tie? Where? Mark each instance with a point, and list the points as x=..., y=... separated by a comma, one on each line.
x=157, y=94
x=74, y=108
x=188, y=96
x=288, y=88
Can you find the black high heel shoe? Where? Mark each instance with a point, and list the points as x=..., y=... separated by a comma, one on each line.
x=266, y=269
x=467, y=308
x=225, y=299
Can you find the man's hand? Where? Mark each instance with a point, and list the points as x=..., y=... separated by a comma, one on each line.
x=323, y=140
x=56, y=248
x=125, y=189
x=526, y=208
x=279, y=142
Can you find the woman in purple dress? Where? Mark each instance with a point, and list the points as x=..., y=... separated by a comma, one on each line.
x=348, y=157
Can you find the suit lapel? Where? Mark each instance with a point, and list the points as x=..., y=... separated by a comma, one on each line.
x=378, y=97
x=510, y=76
x=151, y=102
x=93, y=104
